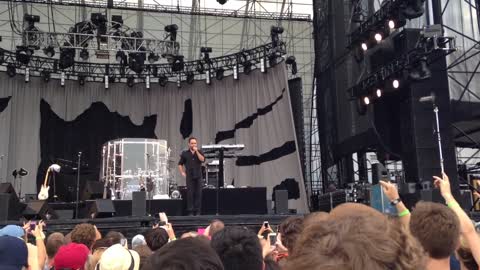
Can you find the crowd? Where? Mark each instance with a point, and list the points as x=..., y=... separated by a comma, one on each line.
x=352, y=236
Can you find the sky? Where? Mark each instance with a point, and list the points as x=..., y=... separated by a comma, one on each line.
x=299, y=6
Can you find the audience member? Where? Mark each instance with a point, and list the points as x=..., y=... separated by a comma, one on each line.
x=189, y=234
x=288, y=232
x=84, y=233
x=138, y=240
x=195, y=255
x=144, y=252
x=71, y=256
x=98, y=248
x=13, y=253
x=238, y=248
x=12, y=230
x=356, y=242
x=215, y=226
x=117, y=257
x=156, y=238
x=54, y=242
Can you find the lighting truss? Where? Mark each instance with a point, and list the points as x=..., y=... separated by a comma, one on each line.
x=120, y=72
x=427, y=45
x=38, y=39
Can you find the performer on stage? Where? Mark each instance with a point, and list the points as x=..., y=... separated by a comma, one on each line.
x=190, y=166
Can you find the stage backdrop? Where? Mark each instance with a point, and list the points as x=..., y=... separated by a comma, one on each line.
x=42, y=122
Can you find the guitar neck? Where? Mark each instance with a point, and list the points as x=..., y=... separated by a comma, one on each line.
x=46, y=178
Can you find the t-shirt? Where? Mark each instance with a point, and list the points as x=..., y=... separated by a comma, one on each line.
x=193, y=166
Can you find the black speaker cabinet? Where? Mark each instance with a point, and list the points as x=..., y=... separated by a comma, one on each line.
x=39, y=210
x=100, y=208
x=10, y=207
x=281, y=202
x=93, y=190
x=139, y=204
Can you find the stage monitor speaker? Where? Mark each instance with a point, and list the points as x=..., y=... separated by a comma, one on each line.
x=379, y=172
x=281, y=202
x=8, y=188
x=101, y=208
x=64, y=214
x=93, y=190
x=36, y=210
x=139, y=203
x=10, y=207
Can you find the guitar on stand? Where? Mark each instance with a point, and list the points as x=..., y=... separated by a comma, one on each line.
x=43, y=194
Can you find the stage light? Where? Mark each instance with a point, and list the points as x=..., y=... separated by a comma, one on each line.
x=11, y=70
x=207, y=78
x=235, y=72
x=136, y=62
x=219, y=73
x=366, y=100
x=81, y=79
x=190, y=77
x=396, y=83
x=154, y=71
x=2, y=56
x=222, y=2
x=292, y=61
x=247, y=67
x=120, y=56
x=147, y=81
x=378, y=37
x=378, y=93
x=67, y=58
x=413, y=9
x=23, y=54
x=178, y=64
x=200, y=68
x=45, y=75
x=179, y=80
x=27, y=74
x=172, y=30
x=391, y=24
x=117, y=21
x=162, y=80
x=152, y=57
x=262, y=65
x=364, y=46
x=84, y=54
x=357, y=16
x=106, y=80
x=49, y=51
x=62, y=79
x=275, y=32
x=130, y=81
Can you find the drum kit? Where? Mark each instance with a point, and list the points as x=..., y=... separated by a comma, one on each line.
x=133, y=164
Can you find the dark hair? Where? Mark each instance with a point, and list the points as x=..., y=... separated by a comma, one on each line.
x=144, y=252
x=192, y=138
x=238, y=248
x=156, y=238
x=437, y=228
x=270, y=264
x=115, y=236
x=104, y=243
x=356, y=242
x=84, y=233
x=54, y=242
x=290, y=229
x=189, y=253
x=465, y=256
x=215, y=226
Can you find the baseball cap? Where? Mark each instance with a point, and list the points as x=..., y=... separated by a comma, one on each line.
x=13, y=253
x=12, y=230
x=73, y=256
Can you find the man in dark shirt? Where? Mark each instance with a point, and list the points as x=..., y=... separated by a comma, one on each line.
x=190, y=166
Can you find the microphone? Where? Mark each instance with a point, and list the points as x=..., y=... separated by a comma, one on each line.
x=430, y=98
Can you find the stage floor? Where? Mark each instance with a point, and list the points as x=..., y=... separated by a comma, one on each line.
x=130, y=226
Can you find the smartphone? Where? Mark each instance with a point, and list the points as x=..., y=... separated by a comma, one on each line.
x=265, y=224
x=272, y=238
x=33, y=224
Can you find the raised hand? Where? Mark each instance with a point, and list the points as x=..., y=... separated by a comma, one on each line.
x=390, y=190
x=444, y=185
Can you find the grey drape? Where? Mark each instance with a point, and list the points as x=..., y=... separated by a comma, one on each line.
x=216, y=107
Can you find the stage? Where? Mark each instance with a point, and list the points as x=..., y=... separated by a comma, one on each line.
x=130, y=226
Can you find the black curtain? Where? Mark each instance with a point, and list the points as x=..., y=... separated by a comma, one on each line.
x=61, y=141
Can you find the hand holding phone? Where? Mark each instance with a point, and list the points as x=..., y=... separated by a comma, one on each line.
x=33, y=224
x=265, y=224
x=163, y=217
x=272, y=238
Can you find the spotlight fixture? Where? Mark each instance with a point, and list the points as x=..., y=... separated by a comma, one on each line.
x=247, y=67
x=67, y=58
x=106, y=80
x=130, y=81
x=23, y=54
x=117, y=21
x=162, y=80
x=396, y=83
x=421, y=71
x=178, y=64
x=200, y=67
x=291, y=60
x=190, y=77
x=154, y=71
x=2, y=56
x=275, y=32
x=147, y=81
x=84, y=54
x=206, y=53
x=413, y=9
x=11, y=70
x=152, y=57
x=222, y=2
x=262, y=65
x=45, y=74
x=27, y=74
x=378, y=93
x=366, y=100
x=81, y=79
x=49, y=51
x=179, y=80
x=391, y=24
x=62, y=79
x=378, y=37
x=172, y=31
x=235, y=72
x=207, y=77
x=364, y=46
x=219, y=73
x=136, y=62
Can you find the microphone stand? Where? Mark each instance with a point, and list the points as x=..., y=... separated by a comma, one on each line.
x=78, y=184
